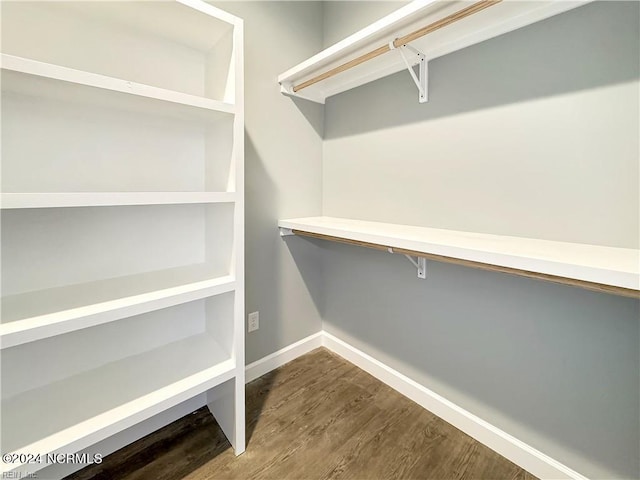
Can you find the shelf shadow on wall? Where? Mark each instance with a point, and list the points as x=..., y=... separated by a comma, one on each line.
x=585, y=48
x=308, y=256
x=313, y=112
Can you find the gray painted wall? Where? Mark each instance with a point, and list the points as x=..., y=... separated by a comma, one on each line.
x=534, y=133
x=283, y=158
x=552, y=365
x=477, y=156
x=341, y=18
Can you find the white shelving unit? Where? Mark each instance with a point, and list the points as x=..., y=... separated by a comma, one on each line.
x=491, y=19
x=122, y=219
x=608, y=269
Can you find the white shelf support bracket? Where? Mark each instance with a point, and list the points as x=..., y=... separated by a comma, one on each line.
x=421, y=80
x=286, y=232
x=420, y=263
x=286, y=87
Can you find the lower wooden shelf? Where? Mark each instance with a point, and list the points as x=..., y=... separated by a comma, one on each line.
x=594, y=267
x=74, y=413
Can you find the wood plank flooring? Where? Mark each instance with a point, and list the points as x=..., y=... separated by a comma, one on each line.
x=318, y=417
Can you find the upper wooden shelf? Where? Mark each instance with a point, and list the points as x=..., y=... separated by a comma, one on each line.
x=448, y=31
x=608, y=269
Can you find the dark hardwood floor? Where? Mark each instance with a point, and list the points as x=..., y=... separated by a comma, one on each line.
x=318, y=417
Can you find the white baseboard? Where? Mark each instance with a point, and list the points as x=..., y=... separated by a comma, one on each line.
x=277, y=359
x=523, y=455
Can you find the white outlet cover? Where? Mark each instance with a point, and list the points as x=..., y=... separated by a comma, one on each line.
x=253, y=323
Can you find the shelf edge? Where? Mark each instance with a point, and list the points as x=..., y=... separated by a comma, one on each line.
x=32, y=329
x=103, y=425
x=65, y=74
x=14, y=201
x=583, y=281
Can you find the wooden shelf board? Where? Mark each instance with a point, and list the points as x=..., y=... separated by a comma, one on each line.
x=112, y=397
x=97, y=199
x=608, y=269
x=31, y=77
x=59, y=301
x=501, y=18
x=56, y=323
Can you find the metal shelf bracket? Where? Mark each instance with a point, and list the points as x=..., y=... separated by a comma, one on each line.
x=420, y=263
x=421, y=80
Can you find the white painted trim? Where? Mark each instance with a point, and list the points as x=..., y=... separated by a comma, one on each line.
x=527, y=457
x=277, y=359
x=523, y=455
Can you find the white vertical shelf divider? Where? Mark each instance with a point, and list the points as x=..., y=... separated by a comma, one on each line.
x=122, y=212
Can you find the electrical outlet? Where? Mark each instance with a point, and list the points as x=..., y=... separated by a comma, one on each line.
x=254, y=322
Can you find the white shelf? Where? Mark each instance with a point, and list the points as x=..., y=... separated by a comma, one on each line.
x=495, y=20
x=97, y=199
x=123, y=258
x=615, y=267
x=38, y=303
x=79, y=411
x=58, y=322
x=31, y=77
